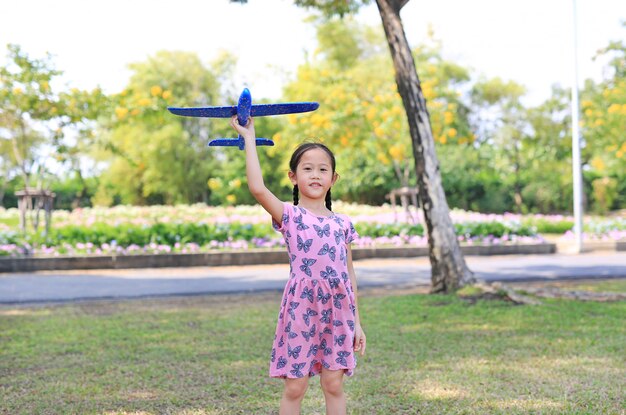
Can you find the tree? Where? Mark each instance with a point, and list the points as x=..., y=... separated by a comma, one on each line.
x=166, y=156
x=361, y=116
x=603, y=125
x=547, y=153
x=79, y=136
x=27, y=102
x=448, y=268
x=505, y=121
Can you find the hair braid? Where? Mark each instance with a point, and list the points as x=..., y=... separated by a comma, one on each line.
x=295, y=195
x=329, y=202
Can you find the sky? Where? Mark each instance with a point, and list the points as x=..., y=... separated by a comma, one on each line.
x=530, y=42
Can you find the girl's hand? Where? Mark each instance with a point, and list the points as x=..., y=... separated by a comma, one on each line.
x=246, y=131
x=359, y=339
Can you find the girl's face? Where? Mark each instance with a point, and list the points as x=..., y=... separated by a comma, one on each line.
x=314, y=174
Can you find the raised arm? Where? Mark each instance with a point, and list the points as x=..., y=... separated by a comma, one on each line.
x=262, y=194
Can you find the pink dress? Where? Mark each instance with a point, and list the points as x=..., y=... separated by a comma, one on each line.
x=315, y=326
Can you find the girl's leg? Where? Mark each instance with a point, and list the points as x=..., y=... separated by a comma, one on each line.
x=292, y=396
x=332, y=385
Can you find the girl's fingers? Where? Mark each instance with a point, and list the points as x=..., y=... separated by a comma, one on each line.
x=359, y=344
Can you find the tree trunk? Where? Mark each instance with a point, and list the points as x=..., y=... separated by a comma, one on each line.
x=449, y=271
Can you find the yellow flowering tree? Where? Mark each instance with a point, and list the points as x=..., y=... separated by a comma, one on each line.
x=165, y=156
x=603, y=125
x=361, y=116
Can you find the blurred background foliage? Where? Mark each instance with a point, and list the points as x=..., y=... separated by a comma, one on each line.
x=496, y=153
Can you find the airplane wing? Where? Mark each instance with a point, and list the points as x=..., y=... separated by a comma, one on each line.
x=207, y=112
x=261, y=110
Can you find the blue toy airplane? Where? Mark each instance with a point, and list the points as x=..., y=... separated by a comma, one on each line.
x=244, y=110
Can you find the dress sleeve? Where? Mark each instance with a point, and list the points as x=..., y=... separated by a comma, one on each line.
x=282, y=227
x=351, y=233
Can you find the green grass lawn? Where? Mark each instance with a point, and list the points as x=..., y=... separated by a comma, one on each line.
x=209, y=355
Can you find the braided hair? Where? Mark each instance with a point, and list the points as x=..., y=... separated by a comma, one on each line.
x=329, y=202
x=295, y=160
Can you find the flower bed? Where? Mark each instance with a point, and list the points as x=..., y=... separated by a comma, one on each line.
x=128, y=230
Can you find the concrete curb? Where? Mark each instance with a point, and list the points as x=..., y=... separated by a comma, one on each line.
x=247, y=257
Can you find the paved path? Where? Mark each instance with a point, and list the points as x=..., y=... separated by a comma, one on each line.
x=59, y=286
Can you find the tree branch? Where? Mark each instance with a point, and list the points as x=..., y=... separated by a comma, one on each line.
x=400, y=4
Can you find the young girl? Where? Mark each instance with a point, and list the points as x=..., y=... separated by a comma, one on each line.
x=319, y=329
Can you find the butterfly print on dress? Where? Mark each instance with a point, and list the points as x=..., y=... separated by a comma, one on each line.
x=337, y=299
x=342, y=358
x=282, y=362
x=322, y=232
x=304, y=245
x=326, y=350
x=309, y=334
x=295, y=352
x=307, y=293
x=339, y=236
x=292, y=306
x=307, y=316
x=297, y=367
x=327, y=330
x=313, y=350
x=301, y=226
x=328, y=250
x=321, y=296
x=290, y=333
x=306, y=265
x=339, y=340
x=326, y=314
x=330, y=272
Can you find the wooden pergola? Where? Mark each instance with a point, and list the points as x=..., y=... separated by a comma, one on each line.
x=408, y=196
x=30, y=203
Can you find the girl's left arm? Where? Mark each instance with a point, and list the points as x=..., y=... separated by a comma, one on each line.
x=359, y=334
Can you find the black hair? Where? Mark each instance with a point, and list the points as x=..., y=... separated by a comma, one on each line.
x=295, y=160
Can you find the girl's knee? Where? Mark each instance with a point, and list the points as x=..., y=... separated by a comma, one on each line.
x=332, y=382
x=295, y=388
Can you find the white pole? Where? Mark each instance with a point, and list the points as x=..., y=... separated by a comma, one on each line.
x=576, y=163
